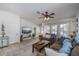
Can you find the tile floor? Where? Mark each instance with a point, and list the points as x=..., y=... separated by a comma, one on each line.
x=19, y=49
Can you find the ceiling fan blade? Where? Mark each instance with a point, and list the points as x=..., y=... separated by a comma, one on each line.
x=51, y=17
x=40, y=17
x=52, y=13
x=42, y=13
x=38, y=12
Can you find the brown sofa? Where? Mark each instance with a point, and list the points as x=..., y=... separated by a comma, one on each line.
x=75, y=51
x=56, y=45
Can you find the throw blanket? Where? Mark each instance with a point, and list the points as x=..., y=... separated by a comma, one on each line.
x=67, y=46
x=77, y=39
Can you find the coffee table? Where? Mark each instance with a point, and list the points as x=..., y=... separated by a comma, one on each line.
x=39, y=47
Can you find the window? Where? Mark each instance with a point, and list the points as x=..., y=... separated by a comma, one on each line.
x=42, y=30
x=64, y=29
x=46, y=29
x=54, y=29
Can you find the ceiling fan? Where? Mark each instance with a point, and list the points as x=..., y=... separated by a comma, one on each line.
x=46, y=15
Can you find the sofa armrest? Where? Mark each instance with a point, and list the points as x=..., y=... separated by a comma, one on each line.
x=75, y=51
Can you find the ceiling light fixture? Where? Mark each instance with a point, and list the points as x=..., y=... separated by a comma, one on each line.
x=46, y=18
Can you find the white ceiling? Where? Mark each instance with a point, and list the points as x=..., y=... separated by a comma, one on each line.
x=28, y=10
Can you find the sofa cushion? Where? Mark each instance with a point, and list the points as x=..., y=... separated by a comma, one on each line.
x=56, y=45
x=62, y=38
x=67, y=46
x=51, y=52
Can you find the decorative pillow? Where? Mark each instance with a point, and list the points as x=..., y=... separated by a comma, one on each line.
x=62, y=38
x=51, y=52
x=67, y=46
x=77, y=39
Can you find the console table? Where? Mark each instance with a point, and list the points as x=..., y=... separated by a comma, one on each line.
x=4, y=41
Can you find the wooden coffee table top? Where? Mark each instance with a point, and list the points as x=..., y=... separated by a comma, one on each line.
x=40, y=46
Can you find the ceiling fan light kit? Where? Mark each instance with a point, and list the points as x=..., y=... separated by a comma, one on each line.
x=46, y=18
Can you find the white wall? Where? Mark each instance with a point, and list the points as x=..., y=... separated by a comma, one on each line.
x=25, y=22
x=77, y=14
x=12, y=25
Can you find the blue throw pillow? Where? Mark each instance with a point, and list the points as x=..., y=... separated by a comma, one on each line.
x=62, y=38
x=67, y=46
x=77, y=39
